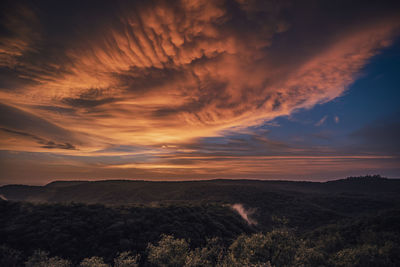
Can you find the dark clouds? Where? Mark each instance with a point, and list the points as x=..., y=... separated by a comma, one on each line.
x=44, y=143
x=87, y=103
x=18, y=119
x=20, y=129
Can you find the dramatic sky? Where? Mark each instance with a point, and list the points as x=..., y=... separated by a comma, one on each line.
x=198, y=89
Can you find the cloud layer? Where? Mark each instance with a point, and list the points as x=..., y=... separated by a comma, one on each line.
x=150, y=75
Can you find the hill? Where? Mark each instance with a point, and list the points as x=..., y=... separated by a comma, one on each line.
x=347, y=222
x=299, y=202
x=133, y=192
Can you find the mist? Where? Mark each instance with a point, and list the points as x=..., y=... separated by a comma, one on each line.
x=245, y=213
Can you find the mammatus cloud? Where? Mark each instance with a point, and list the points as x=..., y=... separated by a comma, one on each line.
x=160, y=75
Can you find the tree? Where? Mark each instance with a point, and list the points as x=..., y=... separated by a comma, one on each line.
x=40, y=259
x=277, y=248
x=306, y=256
x=210, y=255
x=93, y=262
x=125, y=259
x=365, y=256
x=168, y=252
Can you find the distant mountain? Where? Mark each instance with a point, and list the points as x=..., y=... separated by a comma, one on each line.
x=134, y=192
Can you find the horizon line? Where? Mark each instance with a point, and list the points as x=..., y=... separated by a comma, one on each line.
x=200, y=180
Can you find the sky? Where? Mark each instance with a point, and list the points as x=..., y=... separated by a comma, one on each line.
x=196, y=89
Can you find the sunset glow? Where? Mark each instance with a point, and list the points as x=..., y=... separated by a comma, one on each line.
x=198, y=90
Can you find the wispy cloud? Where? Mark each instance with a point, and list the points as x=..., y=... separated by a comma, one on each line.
x=321, y=121
x=41, y=141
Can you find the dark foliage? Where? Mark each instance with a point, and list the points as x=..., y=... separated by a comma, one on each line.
x=349, y=222
x=299, y=202
x=77, y=231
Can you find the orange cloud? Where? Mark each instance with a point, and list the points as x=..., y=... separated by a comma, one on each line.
x=160, y=73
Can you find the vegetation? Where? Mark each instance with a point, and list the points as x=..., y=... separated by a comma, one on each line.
x=307, y=226
x=77, y=231
x=367, y=241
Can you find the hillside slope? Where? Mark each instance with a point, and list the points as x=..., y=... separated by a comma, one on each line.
x=266, y=201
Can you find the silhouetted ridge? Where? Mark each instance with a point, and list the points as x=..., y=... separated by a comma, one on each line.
x=366, y=178
x=231, y=191
x=64, y=183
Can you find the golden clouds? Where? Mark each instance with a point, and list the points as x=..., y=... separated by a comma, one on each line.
x=154, y=73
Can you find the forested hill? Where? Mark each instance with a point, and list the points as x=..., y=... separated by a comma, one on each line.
x=349, y=222
x=134, y=192
x=299, y=202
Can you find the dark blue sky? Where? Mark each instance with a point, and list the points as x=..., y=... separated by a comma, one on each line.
x=373, y=97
